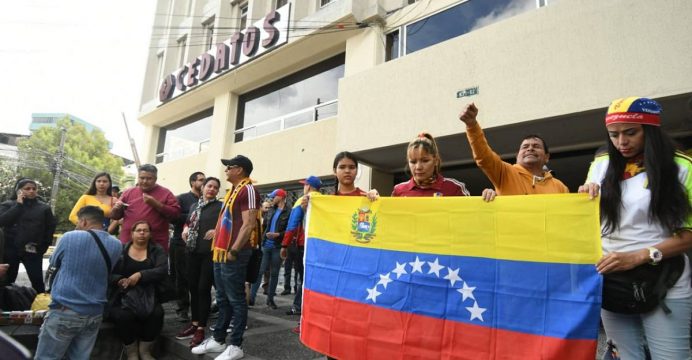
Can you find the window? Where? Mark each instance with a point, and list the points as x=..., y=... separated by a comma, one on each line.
x=301, y=98
x=452, y=22
x=208, y=33
x=182, y=45
x=325, y=2
x=44, y=120
x=184, y=138
x=243, y=17
x=280, y=3
x=159, y=70
x=392, y=49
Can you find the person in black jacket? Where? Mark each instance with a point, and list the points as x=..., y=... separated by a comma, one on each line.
x=198, y=232
x=143, y=263
x=29, y=225
x=273, y=228
x=178, y=255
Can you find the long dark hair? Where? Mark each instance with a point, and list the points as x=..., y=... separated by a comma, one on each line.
x=92, y=188
x=669, y=202
x=344, y=155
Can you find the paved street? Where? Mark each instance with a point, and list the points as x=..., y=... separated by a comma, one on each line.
x=268, y=335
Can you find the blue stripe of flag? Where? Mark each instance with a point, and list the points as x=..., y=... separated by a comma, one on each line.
x=548, y=299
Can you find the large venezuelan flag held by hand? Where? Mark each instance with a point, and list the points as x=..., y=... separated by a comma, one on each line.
x=452, y=278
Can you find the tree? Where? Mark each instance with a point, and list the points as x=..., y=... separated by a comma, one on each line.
x=86, y=154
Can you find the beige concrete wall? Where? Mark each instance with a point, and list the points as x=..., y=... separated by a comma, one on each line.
x=292, y=154
x=174, y=174
x=569, y=57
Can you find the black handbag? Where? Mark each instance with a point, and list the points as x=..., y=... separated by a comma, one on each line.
x=643, y=288
x=52, y=270
x=140, y=299
x=253, y=266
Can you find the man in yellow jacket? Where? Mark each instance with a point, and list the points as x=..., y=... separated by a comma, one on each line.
x=525, y=177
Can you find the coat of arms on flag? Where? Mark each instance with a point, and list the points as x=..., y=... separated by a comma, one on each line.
x=452, y=278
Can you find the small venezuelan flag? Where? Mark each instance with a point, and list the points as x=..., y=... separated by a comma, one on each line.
x=452, y=278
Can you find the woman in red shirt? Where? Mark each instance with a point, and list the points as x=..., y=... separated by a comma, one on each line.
x=346, y=171
x=423, y=162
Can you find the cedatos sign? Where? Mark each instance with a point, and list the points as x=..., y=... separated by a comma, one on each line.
x=243, y=46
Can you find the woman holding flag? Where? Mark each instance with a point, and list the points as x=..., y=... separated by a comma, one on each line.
x=424, y=164
x=646, y=223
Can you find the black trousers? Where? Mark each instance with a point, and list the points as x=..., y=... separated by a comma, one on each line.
x=33, y=263
x=178, y=272
x=297, y=252
x=200, y=278
x=289, y=264
x=130, y=328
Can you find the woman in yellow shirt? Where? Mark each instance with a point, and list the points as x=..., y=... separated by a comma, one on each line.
x=99, y=194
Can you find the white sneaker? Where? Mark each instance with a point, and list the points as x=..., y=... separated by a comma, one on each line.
x=232, y=352
x=207, y=346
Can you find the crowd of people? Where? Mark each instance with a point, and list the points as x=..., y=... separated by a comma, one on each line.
x=643, y=184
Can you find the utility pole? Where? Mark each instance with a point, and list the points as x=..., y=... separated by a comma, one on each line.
x=58, y=169
x=132, y=143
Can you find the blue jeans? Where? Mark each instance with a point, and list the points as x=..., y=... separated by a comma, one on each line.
x=65, y=333
x=229, y=280
x=668, y=336
x=271, y=258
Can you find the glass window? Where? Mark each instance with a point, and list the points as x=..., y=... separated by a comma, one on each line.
x=280, y=3
x=159, y=69
x=186, y=137
x=325, y=2
x=182, y=45
x=306, y=96
x=208, y=33
x=243, y=17
x=458, y=20
x=392, y=45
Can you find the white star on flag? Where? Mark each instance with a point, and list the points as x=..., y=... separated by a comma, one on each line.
x=467, y=292
x=417, y=266
x=373, y=294
x=452, y=275
x=400, y=269
x=384, y=280
x=476, y=312
x=435, y=267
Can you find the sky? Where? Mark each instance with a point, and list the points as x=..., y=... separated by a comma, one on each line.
x=82, y=57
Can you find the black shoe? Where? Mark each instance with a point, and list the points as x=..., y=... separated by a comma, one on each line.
x=293, y=311
x=286, y=292
x=271, y=304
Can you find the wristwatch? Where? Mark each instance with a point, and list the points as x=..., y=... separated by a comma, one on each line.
x=655, y=255
x=234, y=252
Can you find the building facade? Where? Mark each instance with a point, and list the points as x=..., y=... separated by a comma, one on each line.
x=291, y=83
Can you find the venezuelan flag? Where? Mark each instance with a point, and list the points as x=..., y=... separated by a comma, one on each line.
x=452, y=278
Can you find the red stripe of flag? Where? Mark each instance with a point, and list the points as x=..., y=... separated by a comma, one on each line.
x=346, y=329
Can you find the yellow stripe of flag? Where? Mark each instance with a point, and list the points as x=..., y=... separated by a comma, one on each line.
x=539, y=228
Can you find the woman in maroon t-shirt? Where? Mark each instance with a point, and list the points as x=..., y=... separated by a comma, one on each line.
x=346, y=171
x=424, y=163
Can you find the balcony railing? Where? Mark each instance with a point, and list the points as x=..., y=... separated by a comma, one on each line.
x=324, y=110
x=182, y=152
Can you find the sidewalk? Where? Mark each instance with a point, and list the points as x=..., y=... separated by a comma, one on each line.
x=268, y=335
